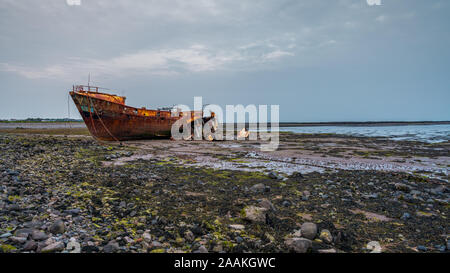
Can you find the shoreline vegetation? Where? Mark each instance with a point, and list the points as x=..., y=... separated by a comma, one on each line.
x=320, y=193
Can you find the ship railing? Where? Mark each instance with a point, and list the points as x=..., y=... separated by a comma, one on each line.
x=87, y=88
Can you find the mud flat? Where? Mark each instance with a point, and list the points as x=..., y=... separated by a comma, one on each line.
x=317, y=193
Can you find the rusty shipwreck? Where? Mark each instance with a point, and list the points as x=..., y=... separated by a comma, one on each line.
x=109, y=119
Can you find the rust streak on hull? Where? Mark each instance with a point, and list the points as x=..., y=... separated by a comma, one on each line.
x=108, y=118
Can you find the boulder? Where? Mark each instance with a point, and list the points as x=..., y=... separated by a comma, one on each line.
x=254, y=214
x=309, y=230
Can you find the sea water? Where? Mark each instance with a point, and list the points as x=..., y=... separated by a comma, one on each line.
x=424, y=133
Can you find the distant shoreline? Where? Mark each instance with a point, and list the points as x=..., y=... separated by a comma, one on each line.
x=281, y=124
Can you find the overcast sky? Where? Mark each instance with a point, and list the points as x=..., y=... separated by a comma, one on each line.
x=320, y=60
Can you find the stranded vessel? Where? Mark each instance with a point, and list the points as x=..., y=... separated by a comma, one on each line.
x=108, y=118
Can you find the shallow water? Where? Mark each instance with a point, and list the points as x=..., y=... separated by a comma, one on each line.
x=425, y=133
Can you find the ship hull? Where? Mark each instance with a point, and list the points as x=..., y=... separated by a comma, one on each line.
x=111, y=121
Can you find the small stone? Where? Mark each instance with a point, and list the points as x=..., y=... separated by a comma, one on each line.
x=326, y=236
x=58, y=246
x=5, y=235
x=274, y=176
x=111, y=247
x=30, y=246
x=147, y=237
x=298, y=245
x=331, y=250
x=306, y=195
x=297, y=176
x=217, y=248
x=405, y=216
x=265, y=203
x=258, y=188
x=156, y=244
x=237, y=227
x=422, y=248
x=73, y=211
x=239, y=239
x=73, y=247
x=128, y=240
x=23, y=232
x=39, y=235
x=374, y=246
x=57, y=228
x=286, y=203
x=255, y=214
x=309, y=230
x=402, y=187
x=17, y=240
x=202, y=249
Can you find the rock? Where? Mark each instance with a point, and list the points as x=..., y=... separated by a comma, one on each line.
x=439, y=190
x=128, y=240
x=73, y=247
x=374, y=246
x=237, y=227
x=57, y=246
x=298, y=245
x=5, y=235
x=267, y=204
x=39, y=235
x=17, y=240
x=306, y=195
x=30, y=246
x=402, y=187
x=274, y=176
x=422, y=248
x=111, y=247
x=156, y=244
x=255, y=214
x=258, y=188
x=309, y=230
x=13, y=207
x=90, y=249
x=74, y=212
x=297, y=233
x=239, y=239
x=297, y=176
x=286, y=203
x=57, y=227
x=202, y=249
x=326, y=236
x=331, y=250
x=147, y=237
x=33, y=224
x=217, y=248
x=23, y=232
x=405, y=216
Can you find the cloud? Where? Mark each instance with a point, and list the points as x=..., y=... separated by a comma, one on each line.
x=277, y=54
x=193, y=59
